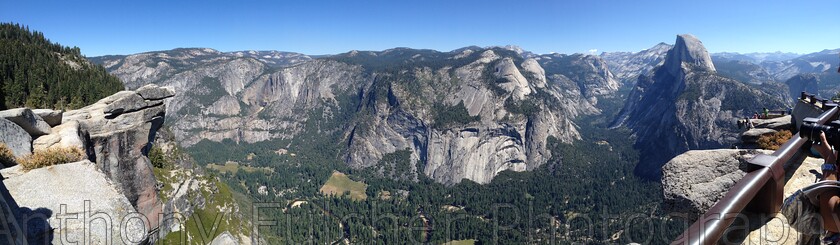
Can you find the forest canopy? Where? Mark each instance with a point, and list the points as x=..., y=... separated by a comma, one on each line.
x=37, y=73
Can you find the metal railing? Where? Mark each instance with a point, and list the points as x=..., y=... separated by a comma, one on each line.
x=760, y=190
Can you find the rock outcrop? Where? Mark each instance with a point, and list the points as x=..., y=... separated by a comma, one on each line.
x=777, y=123
x=31, y=123
x=90, y=210
x=685, y=106
x=51, y=117
x=501, y=136
x=377, y=109
x=688, y=50
x=122, y=128
x=116, y=133
x=69, y=134
x=15, y=138
x=751, y=136
x=694, y=181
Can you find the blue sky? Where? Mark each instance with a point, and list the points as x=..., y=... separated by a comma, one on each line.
x=329, y=27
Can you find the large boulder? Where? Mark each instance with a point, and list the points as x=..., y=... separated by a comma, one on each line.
x=122, y=128
x=52, y=210
x=52, y=117
x=15, y=138
x=68, y=134
x=23, y=117
x=694, y=181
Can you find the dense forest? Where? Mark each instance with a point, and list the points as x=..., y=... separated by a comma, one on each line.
x=37, y=73
x=585, y=194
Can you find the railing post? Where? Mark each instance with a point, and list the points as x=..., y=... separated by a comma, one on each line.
x=769, y=199
x=760, y=190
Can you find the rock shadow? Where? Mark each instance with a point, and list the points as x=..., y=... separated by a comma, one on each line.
x=33, y=224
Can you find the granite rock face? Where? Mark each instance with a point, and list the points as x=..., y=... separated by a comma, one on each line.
x=752, y=135
x=69, y=134
x=53, y=211
x=688, y=50
x=31, y=123
x=685, y=106
x=510, y=79
x=778, y=123
x=51, y=117
x=378, y=111
x=694, y=181
x=122, y=128
x=500, y=138
x=15, y=138
x=153, y=92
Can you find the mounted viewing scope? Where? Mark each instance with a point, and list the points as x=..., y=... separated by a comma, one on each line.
x=811, y=129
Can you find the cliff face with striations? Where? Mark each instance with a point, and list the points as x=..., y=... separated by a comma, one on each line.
x=383, y=102
x=684, y=105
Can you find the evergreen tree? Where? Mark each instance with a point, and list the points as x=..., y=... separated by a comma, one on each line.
x=36, y=72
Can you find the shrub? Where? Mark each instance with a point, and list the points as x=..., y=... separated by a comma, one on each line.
x=51, y=156
x=158, y=158
x=775, y=140
x=7, y=158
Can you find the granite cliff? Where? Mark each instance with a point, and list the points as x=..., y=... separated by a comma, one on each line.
x=115, y=135
x=685, y=105
x=382, y=102
x=114, y=182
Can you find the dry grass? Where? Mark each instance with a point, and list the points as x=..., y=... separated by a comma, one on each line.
x=7, y=157
x=775, y=140
x=51, y=156
x=340, y=185
x=460, y=242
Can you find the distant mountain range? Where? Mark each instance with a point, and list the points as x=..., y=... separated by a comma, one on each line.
x=464, y=114
x=250, y=96
x=430, y=133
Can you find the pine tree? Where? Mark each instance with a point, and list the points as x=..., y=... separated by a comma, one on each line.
x=35, y=72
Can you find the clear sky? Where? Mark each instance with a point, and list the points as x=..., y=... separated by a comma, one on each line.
x=329, y=27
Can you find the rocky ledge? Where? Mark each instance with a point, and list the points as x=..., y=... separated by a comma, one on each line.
x=694, y=181
x=115, y=185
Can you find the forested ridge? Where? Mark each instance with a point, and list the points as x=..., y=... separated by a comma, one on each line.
x=585, y=194
x=37, y=73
